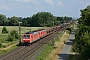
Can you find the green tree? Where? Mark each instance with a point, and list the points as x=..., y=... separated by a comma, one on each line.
x=24, y=21
x=13, y=20
x=64, y=19
x=82, y=37
x=43, y=19
x=3, y=20
x=4, y=30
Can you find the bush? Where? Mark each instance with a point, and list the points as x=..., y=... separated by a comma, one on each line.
x=0, y=44
x=13, y=35
x=69, y=29
x=10, y=38
x=4, y=30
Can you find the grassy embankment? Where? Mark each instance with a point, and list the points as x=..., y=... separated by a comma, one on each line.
x=7, y=45
x=51, y=52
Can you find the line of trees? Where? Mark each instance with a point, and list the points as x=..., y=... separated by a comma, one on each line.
x=39, y=19
x=82, y=37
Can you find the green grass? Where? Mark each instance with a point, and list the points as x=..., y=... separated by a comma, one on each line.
x=61, y=34
x=45, y=53
x=8, y=50
x=57, y=40
x=9, y=28
x=3, y=38
x=4, y=45
x=4, y=42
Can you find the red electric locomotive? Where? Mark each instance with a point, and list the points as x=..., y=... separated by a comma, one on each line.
x=34, y=36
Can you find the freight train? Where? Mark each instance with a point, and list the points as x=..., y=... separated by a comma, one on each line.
x=33, y=36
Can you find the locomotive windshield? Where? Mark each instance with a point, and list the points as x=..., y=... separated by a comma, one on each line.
x=26, y=36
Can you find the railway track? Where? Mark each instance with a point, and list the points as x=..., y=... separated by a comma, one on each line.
x=23, y=52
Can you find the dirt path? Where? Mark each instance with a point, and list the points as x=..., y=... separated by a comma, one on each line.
x=58, y=47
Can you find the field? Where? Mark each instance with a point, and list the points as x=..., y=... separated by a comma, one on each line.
x=23, y=29
x=3, y=37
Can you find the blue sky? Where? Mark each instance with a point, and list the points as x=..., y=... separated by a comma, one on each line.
x=26, y=8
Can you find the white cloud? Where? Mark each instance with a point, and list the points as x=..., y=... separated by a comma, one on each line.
x=60, y=3
x=4, y=7
x=27, y=1
x=49, y=1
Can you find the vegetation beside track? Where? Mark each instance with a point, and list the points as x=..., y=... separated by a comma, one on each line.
x=51, y=51
x=45, y=53
x=58, y=47
x=2, y=51
x=9, y=40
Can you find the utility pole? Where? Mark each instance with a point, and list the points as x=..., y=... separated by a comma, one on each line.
x=53, y=35
x=19, y=33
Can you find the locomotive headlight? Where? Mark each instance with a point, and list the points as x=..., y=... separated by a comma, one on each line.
x=27, y=39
